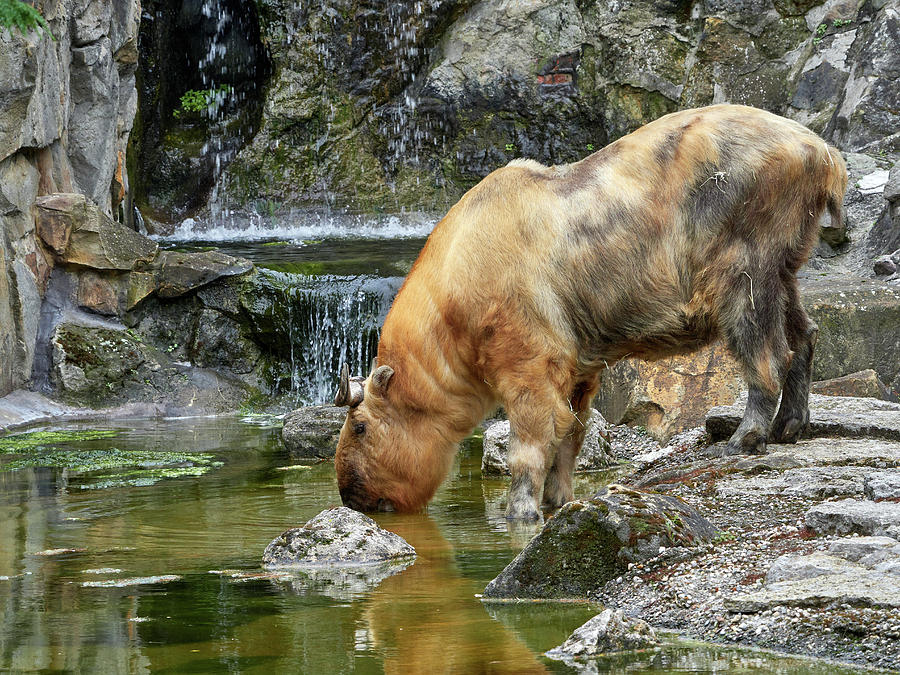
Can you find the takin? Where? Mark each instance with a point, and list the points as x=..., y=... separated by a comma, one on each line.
x=687, y=231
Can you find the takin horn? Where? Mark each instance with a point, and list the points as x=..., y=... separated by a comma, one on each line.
x=350, y=391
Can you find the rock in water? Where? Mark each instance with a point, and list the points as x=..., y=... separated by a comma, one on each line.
x=313, y=431
x=589, y=542
x=336, y=537
x=609, y=631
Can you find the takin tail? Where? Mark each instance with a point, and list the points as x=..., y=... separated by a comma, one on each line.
x=835, y=186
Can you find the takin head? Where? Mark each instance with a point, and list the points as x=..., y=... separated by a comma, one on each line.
x=387, y=459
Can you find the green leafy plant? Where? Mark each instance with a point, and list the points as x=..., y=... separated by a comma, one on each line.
x=837, y=23
x=510, y=147
x=196, y=101
x=590, y=147
x=21, y=15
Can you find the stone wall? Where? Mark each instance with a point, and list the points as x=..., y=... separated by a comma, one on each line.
x=66, y=109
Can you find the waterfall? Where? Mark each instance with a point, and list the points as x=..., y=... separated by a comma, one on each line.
x=313, y=325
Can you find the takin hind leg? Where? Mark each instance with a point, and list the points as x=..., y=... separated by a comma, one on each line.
x=558, y=484
x=756, y=336
x=792, y=418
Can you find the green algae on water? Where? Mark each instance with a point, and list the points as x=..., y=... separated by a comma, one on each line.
x=113, y=467
x=18, y=444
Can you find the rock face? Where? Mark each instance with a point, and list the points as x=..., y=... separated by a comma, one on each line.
x=595, y=453
x=588, y=542
x=427, y=98
x=609, y=631
x=313, y=431
x=336, y=537
x=829, y=416
x=67, y=109
x=850, y=516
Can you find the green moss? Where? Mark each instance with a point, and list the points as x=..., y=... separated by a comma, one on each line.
x=38, y=440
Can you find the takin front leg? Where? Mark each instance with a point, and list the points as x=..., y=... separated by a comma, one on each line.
x=792, y=418
x=536, y=425
x=558, y=484
x=756, y=336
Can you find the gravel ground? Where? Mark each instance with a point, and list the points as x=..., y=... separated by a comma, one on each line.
x=685, y=590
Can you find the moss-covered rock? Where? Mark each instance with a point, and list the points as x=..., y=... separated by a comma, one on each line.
x=591, y=541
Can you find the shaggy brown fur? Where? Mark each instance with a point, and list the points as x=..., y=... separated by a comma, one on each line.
x=688, y=230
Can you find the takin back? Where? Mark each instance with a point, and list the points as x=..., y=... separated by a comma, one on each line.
x=689, y=230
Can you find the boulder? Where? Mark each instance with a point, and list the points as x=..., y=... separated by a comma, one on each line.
x=595, y=454
x=334, y=538
x=591, y=541
x=862, y=384
x=850, y=516
x=609, y=631
x=80, y=234
x=312, y=431
x=669, y=395
x=806, y=482
x=842, y=416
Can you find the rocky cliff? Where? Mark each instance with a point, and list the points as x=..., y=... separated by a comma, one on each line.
x=68, y=102
x=413, y=105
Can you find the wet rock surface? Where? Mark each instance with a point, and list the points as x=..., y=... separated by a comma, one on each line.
x=595, y=454
x=313, y=431
x=590, y=541
x=609, y=631
x=334, y=538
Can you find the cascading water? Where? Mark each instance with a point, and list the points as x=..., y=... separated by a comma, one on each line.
x=314, y=324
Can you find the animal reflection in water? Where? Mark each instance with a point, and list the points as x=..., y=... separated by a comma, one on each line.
x=427, y=619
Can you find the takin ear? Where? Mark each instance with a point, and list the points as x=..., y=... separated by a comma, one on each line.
x=381, y=376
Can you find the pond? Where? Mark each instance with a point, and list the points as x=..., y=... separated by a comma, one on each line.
x=124, y=569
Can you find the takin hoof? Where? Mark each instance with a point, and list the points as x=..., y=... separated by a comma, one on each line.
x=523, y=512
x=789, y=429
x=554, y=501
x=752, y=442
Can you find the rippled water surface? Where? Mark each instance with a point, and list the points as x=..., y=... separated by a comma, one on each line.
x=210, y=531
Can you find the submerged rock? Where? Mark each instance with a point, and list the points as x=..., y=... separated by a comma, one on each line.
x=850, y=516
x=844, y=416
x=336, y=537
x=313, y=431
x=609, y=631
x=595, y=453
x=591, y=541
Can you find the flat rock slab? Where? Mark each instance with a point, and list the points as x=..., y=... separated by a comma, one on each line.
x=807, y=482
x=844, y=416
x=591, y=541
x=882, y=485
x=336, y=537
x=179, y=273
x=595, y=453
x=313, y=431
x=850, y=516
x=860, y=588
x=609, y=631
